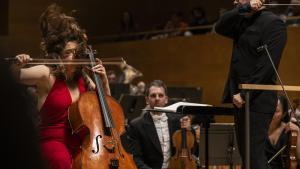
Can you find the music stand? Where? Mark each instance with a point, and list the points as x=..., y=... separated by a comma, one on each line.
x=201, y=112
x=132, y=105
x=225, y=150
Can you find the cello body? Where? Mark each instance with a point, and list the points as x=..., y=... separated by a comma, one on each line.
x=99, y=120
x=100, y=149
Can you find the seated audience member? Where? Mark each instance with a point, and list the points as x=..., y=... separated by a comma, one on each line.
x=198, y=19
x=112, y=77
x=128, y=26
x=138, y=89
x=296, y=105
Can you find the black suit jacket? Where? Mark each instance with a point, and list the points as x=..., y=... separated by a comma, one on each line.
x=249, y=65
x=145, y=145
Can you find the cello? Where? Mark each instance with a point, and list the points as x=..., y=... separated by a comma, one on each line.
x=183, y=141
x=101, y=120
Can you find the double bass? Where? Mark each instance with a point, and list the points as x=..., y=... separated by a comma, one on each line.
x=100, y=119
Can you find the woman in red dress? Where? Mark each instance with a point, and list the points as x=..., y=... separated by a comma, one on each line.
x=58, y=87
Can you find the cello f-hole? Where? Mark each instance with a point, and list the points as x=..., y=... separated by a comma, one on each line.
x=97, y=144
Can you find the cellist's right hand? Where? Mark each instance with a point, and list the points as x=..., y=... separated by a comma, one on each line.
x=23, y=59
x=256, y=4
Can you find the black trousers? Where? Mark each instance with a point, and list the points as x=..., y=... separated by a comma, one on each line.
x=259, y=125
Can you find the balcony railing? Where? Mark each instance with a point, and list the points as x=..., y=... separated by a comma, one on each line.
x=167, y=33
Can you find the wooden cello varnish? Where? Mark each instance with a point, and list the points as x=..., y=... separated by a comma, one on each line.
x=100, y=118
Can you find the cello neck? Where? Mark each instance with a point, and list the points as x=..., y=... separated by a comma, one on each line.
x=100, y=93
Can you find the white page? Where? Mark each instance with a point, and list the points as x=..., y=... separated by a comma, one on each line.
x=173, y=107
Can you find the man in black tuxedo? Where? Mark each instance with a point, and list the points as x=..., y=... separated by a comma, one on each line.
x=250, y=26
x=152, y=132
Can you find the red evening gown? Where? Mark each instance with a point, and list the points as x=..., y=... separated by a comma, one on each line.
x=57, y=143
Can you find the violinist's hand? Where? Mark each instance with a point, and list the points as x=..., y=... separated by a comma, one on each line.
x=237, y=100
x=185, y=122
x=23, y=59
x=235, y=2
x=293, y=119
x=290, y=126
x=256, y=4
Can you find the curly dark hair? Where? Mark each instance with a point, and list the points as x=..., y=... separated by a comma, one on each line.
x=57, y=29
x=285, y=108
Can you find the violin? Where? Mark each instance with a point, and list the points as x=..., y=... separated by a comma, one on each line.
x=183, y=141
x=290, y=156
x=291, y=160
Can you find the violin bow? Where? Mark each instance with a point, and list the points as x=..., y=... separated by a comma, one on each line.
x=265, y=48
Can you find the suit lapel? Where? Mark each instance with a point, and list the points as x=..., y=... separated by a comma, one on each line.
x=151, y=131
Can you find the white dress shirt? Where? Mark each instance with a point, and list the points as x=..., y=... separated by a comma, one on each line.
x=162, y=129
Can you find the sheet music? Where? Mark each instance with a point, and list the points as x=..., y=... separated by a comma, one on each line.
x=173, y=107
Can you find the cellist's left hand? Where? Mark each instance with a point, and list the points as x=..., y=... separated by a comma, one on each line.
x=100, y=70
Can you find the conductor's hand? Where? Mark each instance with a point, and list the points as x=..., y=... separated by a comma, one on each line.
x=237, y=100
x=23, y=59
x=185, y=122
x=256, y=4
